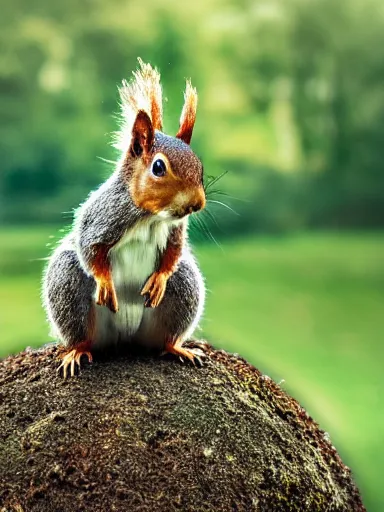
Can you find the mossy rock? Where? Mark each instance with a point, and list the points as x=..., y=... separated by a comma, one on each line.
x=140, y=433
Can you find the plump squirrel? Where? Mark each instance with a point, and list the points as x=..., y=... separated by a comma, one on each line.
x=125, y=273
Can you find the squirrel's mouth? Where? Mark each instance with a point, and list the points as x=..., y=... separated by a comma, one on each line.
x=178, y=214
x=170, y=215
x=189, y=209
x=185, y=212
x=187, y=202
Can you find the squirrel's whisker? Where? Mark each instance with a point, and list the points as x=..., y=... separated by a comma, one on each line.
x=194, y=227
x=222, y=193
x=212, y=237
x=207, y=231
x=211, y=216
x=223, y=204
x=214, y=180
x=106, y=160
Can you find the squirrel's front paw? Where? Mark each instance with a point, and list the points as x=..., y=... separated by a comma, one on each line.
x=106, y=294
x=154, y=288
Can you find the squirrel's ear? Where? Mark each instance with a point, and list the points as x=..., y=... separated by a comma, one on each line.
x=188, y=114
x=142, y=134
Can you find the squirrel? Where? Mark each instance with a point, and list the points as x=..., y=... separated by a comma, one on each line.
x=125, y=273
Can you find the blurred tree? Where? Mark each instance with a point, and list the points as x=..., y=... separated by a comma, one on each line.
x=291, y=102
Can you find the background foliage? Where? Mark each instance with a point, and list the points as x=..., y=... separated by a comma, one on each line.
x=291, y=101
x=291, y=105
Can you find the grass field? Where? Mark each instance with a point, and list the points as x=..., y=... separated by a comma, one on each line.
x=307, y=309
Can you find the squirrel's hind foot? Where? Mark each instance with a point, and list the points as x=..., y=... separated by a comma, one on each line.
x=191, y=353
x=71, y=359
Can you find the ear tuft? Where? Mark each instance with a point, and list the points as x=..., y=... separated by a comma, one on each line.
x=188, y=114
x=143, y=92
x=142, y=135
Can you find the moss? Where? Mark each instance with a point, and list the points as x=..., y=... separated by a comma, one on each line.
x=146, y=433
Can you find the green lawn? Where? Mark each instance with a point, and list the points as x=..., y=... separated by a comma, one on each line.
x=307, y=309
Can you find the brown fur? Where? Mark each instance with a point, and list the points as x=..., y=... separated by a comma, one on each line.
x=105, y=291
x=184, y=162
x=142, y=136
x=172, y=252
x=100, y=265
x=183, y=176
x=142, y=111
x=153, y=194
x=188, y=114
x=156, y=285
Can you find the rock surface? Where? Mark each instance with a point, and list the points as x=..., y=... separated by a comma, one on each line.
x=138, y=433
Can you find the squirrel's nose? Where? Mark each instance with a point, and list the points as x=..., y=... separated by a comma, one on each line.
x=196, y=201
x=194, y=208
x=199, y=201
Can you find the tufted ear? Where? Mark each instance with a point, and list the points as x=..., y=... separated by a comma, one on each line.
x=142, y=135
x=188, y=114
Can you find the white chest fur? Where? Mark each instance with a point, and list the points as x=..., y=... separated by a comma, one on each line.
x=133, y=260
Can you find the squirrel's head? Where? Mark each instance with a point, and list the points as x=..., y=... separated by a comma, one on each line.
x=163, y=174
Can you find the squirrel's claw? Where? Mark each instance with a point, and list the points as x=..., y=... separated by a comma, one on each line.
x=193, y=354
x=71, y=359
x=106, y=295
x=154, y=288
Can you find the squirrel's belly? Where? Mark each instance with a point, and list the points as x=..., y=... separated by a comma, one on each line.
x=131, y=264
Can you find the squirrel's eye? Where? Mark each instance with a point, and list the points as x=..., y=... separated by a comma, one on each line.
x=158, y=168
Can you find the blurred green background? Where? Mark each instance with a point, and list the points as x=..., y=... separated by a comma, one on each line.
x=291, y=106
